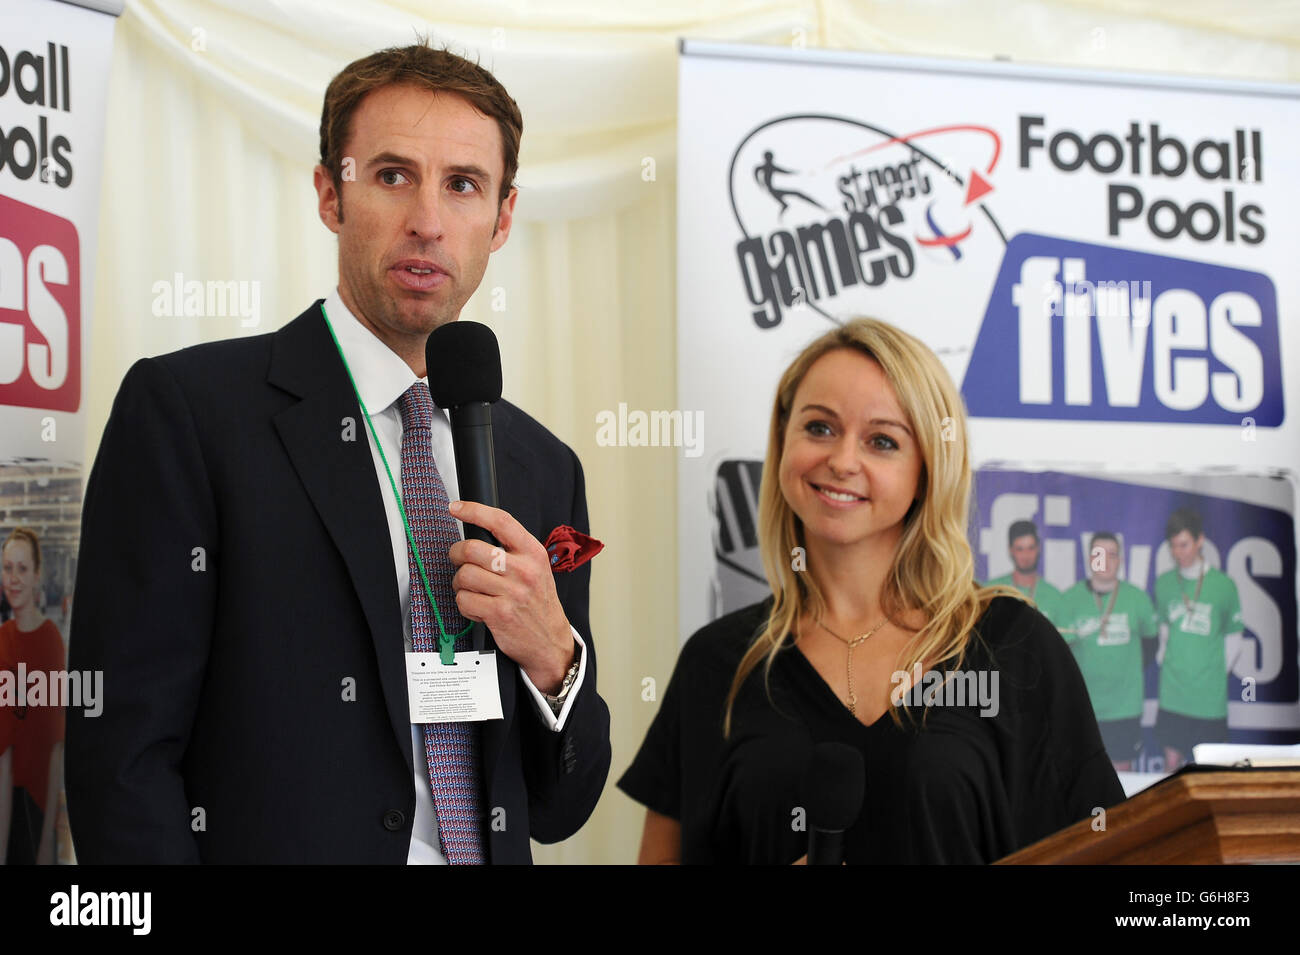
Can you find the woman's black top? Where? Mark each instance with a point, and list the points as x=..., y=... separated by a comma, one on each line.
x=960, y=787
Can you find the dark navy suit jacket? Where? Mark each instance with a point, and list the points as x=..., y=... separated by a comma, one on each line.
x=235, y=584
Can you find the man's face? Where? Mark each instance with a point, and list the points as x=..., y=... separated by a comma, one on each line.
x=421, y=216
x=1186, y=548
x=1104, y=561
x=1024, y=553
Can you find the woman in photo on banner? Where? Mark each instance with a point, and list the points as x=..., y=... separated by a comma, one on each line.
x=31, y=736
x=966, y=705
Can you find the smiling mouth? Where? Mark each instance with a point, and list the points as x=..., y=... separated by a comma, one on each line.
x=838, y=496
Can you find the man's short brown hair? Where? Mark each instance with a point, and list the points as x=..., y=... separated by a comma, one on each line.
x=419, y=65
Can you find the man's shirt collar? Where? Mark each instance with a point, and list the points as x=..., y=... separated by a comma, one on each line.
x=380, y=374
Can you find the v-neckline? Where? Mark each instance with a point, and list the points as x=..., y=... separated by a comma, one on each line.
x=827, y=691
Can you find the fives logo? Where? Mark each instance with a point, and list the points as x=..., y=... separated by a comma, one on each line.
x=40, y=309
x=1086, y=332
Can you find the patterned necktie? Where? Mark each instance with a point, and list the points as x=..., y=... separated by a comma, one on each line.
x=451, y=749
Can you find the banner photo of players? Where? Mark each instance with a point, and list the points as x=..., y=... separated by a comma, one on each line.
x=1174, y=592
x=53, y=94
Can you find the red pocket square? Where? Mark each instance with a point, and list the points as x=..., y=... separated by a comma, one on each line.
x=570, y=549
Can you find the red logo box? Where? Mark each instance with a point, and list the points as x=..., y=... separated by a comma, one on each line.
x=40, y=309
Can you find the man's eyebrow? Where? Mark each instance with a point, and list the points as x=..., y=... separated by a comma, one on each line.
x=471, y=170
x=459, y=169
x=391, y=159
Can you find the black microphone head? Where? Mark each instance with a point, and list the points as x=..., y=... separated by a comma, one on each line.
x=834, y=786
x=464, y=363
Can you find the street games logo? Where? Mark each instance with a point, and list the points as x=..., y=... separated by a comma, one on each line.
x=830, y=209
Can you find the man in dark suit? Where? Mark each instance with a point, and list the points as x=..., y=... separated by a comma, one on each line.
x=245, y=581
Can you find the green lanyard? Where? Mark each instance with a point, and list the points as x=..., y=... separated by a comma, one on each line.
x=446, y=641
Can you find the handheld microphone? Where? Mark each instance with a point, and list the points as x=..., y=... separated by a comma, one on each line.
x=834, y=786
x=464, y=364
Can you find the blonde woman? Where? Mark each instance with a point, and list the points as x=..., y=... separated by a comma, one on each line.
x=862, y=529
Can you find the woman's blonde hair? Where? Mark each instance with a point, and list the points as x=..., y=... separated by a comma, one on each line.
x=933, y=570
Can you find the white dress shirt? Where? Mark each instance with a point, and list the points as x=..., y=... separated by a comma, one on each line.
x=382, y=378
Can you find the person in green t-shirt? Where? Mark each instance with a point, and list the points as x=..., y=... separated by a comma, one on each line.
x=1200, y=617
x=1022, y=541
x=1111, y=627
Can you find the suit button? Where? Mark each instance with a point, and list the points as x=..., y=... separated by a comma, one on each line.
x=394, y=820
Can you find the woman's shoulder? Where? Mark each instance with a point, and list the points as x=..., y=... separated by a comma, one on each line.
x=722, y=642
x=1006, y=610
x=50, y=631
x=1015, y=633
x=47, y=629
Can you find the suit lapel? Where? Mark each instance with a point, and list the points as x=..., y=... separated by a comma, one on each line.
x=305, y=362
x=339, y=477
x=517, y=496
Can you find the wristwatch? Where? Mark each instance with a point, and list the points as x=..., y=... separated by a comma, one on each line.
x=557, y=701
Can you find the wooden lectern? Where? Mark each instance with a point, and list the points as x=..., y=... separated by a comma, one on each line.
x=1203, y=815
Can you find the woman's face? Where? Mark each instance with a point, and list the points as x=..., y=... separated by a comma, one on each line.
x=851, y=464
x=18, y=573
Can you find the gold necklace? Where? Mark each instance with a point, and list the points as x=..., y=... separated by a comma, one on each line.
x=848, y=663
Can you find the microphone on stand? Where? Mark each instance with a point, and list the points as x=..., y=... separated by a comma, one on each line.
x=464, y=365
x=834, y=787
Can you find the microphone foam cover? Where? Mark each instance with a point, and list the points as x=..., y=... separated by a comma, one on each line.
x=834, y=786
x=464, y=363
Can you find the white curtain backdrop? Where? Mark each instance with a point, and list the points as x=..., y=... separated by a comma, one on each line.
x=213, y=115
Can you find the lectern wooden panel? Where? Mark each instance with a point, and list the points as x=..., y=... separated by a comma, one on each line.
x=1200, y=816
